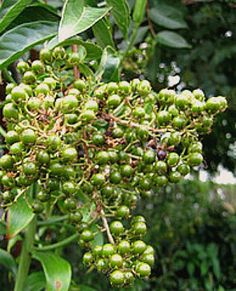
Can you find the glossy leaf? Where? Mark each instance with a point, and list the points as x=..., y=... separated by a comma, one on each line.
x=57, y=271
x=103, y=34
x=17, y=41
x=7, y=261
x=94, y=52
x=35, y=282
x=172, y=39
x=10, y=10
x=76, y=18
x=109, y=66
x=18, y=217
x=167, y=16
x=35, y=12
x=121, y=14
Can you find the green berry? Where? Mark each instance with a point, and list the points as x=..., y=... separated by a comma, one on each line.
x=116, y=228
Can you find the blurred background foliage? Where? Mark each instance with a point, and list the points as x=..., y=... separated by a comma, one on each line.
x=180, y=44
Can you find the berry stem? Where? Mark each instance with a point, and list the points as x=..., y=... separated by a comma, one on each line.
x=76, y=70
x=105, y=223
x=59, y=244
x=25, y=257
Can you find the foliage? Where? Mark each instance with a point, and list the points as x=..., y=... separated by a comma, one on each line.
x=118, y=40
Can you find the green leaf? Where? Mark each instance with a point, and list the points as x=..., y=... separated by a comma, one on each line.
x=190, y=268
x=7, y=261
x=35, y=12
x=103, y=33
x=204, y=268
x=121, y=14
x=167, y=16
x=18, y=217
x=2, y=228
x=57, y=271
x=94, y=52
x=87, y=210
x=216, y=268
x=99, y=238
x=35, y=282
x=76, y=18
x=10, y=10
x=109, y=67
x=172, y=39
x=17, y=41
x=86, y=71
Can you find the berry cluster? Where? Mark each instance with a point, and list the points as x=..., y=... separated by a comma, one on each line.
x=126, y=256
x=114, y=142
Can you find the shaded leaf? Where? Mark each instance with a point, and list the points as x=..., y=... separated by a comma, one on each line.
x=18, y=217
x=167, y=16
x=190, y=268
x=121, y=14
x=7, y=261
x=2, y=228
x=216, y=268
x=35, y=12
x=109, y=67
x=35, y=282
x=17, y=41
x=76, y=18
x=172, y=39
x=103, y=34
x=57, y=271
x=99, y=238
x=87, y=210
x=10, y=10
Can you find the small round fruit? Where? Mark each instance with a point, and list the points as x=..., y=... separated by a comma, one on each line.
x=116, y=228
x=43, y=157
x=126, y=171
x=195, y=159
x=175, y=177
x=98, y=179
x=143, y=270
x=69, y=154
x=88, y=258
x=139, y=228
x=102, y=157
x=12, y=136
x=29, y=168
x=18, y=94
x=38, y=67
x=139, y=247
x=149, y=157
x=124, y=247
x=97, y=251
x=144, y=88
x=29, y=77
x=69, y=104
x=117, y=278
x=183, y=169
x=6, y=162
x=28, y=136
x=37, y=207
x=98, y=139
x=148, y=259
x=70, y=204
x=22, y=67
x=45, y=56
x=101, y=265
x=87, y=235
x=122, y=211
x=108, y=250
x=88, y=115
x=115, y=177
x=69, y=188
x=116, y=261
x=17, y=148
x=76, y=216
x=113, y=101
x=10, y=111
x=172, y=159
x=53, y=142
